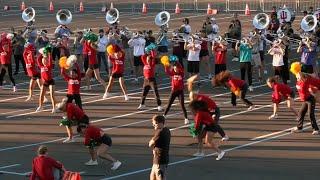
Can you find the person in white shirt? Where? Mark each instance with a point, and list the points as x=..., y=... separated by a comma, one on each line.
x=213, y=34
x=138, y=43
x=186, y=28
x=277, y=51
x=101, y=54
x=193, y=48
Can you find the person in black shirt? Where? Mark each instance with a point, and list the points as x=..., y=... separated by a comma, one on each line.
x=150, y=38
x=160, y=143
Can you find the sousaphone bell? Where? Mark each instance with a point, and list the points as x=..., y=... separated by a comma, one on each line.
x=28, y=14
x=112, y=16
x=309, y=23
x=261, y=21
x=64, y=16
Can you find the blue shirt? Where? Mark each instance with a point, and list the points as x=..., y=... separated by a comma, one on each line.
x=245, y=53
x=307, y=57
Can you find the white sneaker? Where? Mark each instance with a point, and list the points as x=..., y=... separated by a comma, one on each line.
x=141, y=106
x=29, y=98
x=186, y=121
x=225, y=138
x=315, y=132
x=105, y=95
x=68, y=140
x=159, y=108
x=296, y=130
x=14, y=89
x=273, y=116
x=250, y=88
x=265, y=72
x=251, y=107
x=45, y=100
x=209, y=76
x=116, y=165
x=126, y=97
x=235, y=59
x=220, y=155
x=91, y=163
x=39, y=109
x=198, y=154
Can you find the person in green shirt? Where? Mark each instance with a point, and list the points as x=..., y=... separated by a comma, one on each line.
x=245, y=49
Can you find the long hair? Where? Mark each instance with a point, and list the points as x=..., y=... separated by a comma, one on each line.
x=197, y=105
x=221, y=78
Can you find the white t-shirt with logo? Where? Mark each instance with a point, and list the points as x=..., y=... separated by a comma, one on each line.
x=138, y=45
x=194, y=55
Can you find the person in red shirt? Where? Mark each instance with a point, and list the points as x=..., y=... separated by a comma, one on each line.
x=149, y=63
x=237, y=86
x=177, y=74
x=45, y=167
x=75, y=116
x=116, y=56
x=74, y=81
x=213, y=109
x=280, y=91
x=44, y=61
x=93, y=65
x=304, y=85
x=32, y=70
x=204, y=54
x=95, y=137
x=219, y=50
x=205, y=124
x=5, y=59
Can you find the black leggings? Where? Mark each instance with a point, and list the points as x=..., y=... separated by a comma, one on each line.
x=217, y=127
x=246, y=67
x=280, y=71
x=18, y=59
x=147, y=84
x=243, y=90
x=308, y=105
x=76, y=98
x=3, y=72
x=173, y=96
x=85, y=62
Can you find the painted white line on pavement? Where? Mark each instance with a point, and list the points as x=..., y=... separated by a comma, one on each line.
x=8, y=166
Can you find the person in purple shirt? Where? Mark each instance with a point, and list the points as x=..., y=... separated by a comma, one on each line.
x=307, y=48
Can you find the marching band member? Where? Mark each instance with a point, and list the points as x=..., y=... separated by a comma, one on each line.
x=18, y=43
x=307, y=48
x=262, y=48
x=42, y=39
x=32, y=69
x=303, y=84
x=45, y=64
x=204, y=54
x=273, y=26
x=149, y=61
x=75, y=116
x=176, y=73
x=219, y=50
x=237, y=87
x=178, y=47
x=281, y=91
x=116, y=56
x=185, y=29
x=62, y=30
x=30, y=32
x=234, y=32
x=5, y=59
x=102, y=142
x=78, y=47
x=124, y=36
x=245, y=48
x=193, y=49
x=150, y=38
x=212, y=31
x=255, y=39
x=277, y=52
x=138, y=43
x=206, y=125
x=74, y=80
x=103, y=41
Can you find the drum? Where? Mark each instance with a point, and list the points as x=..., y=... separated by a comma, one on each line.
x=285, y=15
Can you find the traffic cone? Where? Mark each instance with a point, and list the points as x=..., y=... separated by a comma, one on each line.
x=177, y=11
x=51, y=8
x=23, y=6
x=209, y=10
x=247, y=10
x=111, y=5
x=81, y=9
x=144, y=8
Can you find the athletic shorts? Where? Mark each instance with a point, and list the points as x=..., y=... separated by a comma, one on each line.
x=256, y=60
x=211, y=128
x=117, y=75
x=106, y=139
x=203, y=53
x=84, y=120
x=93, y=66
x=137, y=61
x=193, y=67
x=48, y=83
x=307, y=68
x=36, y=76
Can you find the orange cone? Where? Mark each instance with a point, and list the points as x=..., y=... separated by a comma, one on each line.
x=81, y=9
x=178, y=10
x=247, y=10
x=209, y=10
x=51, y=8
x=144, y=8
x=23, y=6
x=111, y=5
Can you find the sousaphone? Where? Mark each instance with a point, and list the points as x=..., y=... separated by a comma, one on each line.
x=261, y=21
x=64, y=16
x=112, y=16
x=28, y=14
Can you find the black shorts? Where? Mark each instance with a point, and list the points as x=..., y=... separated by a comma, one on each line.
x=261, y=55
x=137, y=61
x=36, y=76
x=307, y=68
x=105, y=139
x=193, y=67
x=292, y=95
x=203, y=53
x=93, y=66
x=163, y=49
x=218, y=68
x=84, y=120
x=48, y=83
x=211, y=128
x=116, y=75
